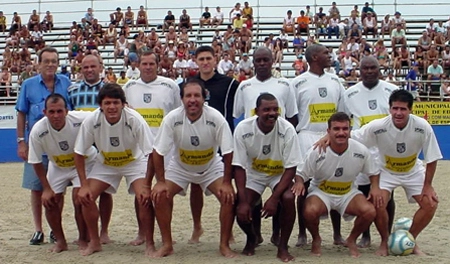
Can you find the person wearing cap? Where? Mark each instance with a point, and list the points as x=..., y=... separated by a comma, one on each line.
x=129, y=17
x=366, y=9
x=169, y=21
x=398, y=19
x=117, y=17
x=185, y=21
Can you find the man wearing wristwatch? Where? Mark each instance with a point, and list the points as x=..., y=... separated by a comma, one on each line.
x=30, y=106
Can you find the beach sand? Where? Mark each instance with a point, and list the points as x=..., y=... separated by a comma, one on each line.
x=16, y=229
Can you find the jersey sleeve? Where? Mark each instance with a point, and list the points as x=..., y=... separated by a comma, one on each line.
x=35, y=150
x=341, y=102
x=291, y=104
x=238, y=108
x=164, y=139
x=291, y=152
x=225, y=138
x=240, y=152
x=365, y=135
x=306, y=168
x=431, y=150
x=144, y=135
x=85, y=137
x=370, y=166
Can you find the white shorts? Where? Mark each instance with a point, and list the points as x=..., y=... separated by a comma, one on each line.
x=363, y=179
x=113, y=175
x=181, y=177
x=411, y=183
x=335, y=202
x=59, y=178
x=259, y=184
x=307, y=139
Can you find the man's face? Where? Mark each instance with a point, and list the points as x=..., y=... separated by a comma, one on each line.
x=339, y=133
x=400, y=114
x=369, y=71
x=324, y=57
x=267, y=113
x=49, y=63
x=262, y=61
x=184, y=11
x=148, y=67
x=206, y=62
x=91, y=68
x=112, y=109
x=193, y=100
x=56, y=114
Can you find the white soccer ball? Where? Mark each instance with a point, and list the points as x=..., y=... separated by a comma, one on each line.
x=401, y=243
x=403, y=223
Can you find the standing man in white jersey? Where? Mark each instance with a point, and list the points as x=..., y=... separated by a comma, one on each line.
x=366, y=101
x=333, y=175
x=400, y=137
x=55, y=135
x=83, y=96
x=318, y=96
x=124, y=142
x=266, y=154
x=196, y=132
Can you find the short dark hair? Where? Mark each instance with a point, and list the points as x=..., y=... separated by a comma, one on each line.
x=338, y=117
x=401, y=95
x=311, y=51
x=148, y=53
x=204, y=48
x=193, y=81
x=264, y=96
x=111, y=90
x=46, y=49
x=54, y=98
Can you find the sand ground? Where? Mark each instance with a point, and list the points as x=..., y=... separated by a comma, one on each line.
x=16, y=229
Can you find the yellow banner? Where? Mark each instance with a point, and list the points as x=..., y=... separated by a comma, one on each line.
x=65, y=160
x=196, y=157
x=118, y=159
x=400, y=164
x=268, y=166
x=336, y=188
x=320, y=113
x=436, y=113
x=153, y=116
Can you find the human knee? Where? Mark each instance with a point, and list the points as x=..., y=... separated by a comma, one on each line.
x=428, y=205
x=311, y=211
x=288, y=197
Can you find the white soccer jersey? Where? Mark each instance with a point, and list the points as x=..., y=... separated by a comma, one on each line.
x=268, y=154
x=335, y=174
x=58, y=145
x=365, y=105
x=399, y=148
x=120, y=144
x=196, y=143
x=318, y=97
x=153, y=100
x=249, y=90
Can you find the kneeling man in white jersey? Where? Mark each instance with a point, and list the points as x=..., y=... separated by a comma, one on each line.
x=55, y=135
x=400, y=138
x=333, y=187
x=266, y=154
x=124, y=142
x=196, y=131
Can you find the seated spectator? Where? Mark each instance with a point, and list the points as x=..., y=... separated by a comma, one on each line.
x=298, y=44
x=37, y=38
x=245, y=65
x=445, y=55
x=333, y=27
x=123, y=79
x=97, y=31
x=110, y=35
x=247, y=10
x=319, y=15
x=303, y=23
x=334, y=11
x=34, y=19
x=343, y=28
x=169, y=21
x=5, y=82
x=16, y=24
x=238, y=22
x=278, y=52
x=352, y=78
x=2, y=22
x=171, y=51
x=25, y=54
x=91, y=44
x=84, y=27
x=129, y=17
x=16, y=62
x=183, y=36
x=445, y=88
x=191, y=47
x=7, y=55
x=431, y=28
x=125, y=30
x=116, y=17
x=245, y=38
x=192, y=66
x=363, y=46
x=64, y=71
x=185, y=21
x=398, y=19
x=248, y=20
x=309, y=14
x=166, y=66
x=24, y=35
x=347, y=64
x=354, y=33
x=342, y=49
x=180, y=66
x=382, y=56
x=370, y=25
x=335, y=61
x=218, y=17
x=74, y=29
x=152, y=38
x=27, y=73
x=284, y=39
x=425, y=41
x=435, y=71
x=404, y=59
x=353, y=48
x=289, y=22
x=366, y=9
x=171, y=36
x=355, y=11
x=121, y=48
x=390, y=77
x=142, y=19
x=225, y=65
x=300, y=66
x=206, y=18
x=321, y=26
x=412, y=84
x=182, y=50
x=386, y=26
x=89, y=16
x=439, y=41
x=110, y=76
x=133, y=73
x=354, y=20
x=235, y=11
x=431, y=55
x=420, y=58
x=47, y=22
x=398, y=36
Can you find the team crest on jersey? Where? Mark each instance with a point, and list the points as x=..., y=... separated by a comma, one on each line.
x=339, y=172
x=114, y=141
x=266, y=149
x=373, y=104
x=323, y=92
x=147, y=98
x=401, y=147
x=195, y=141
x=64, y=145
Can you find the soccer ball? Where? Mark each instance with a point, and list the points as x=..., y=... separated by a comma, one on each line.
x=403, y=223
x=401, y=243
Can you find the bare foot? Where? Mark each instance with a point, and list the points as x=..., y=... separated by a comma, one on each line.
x=383, y=249
x=164, y=251
x=301, y=241
x=338, y=240
x=150, y=249
x=139, y=240
x=316, y=247
x=227, y=252
x=418, y=252
x=104, y=239
x=249, y=249
x=91, y=249
x=353, y=249
x=59, y=247
x=284, y=255
x=82, y=245
x=364, y=242
x=196, y=234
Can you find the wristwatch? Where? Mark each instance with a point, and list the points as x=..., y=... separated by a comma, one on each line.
x=20, y=139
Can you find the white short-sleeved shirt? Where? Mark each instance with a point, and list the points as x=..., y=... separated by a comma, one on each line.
x=365, y=105
x=58, y=145
x=317, y=97
x=120, y=144
x=399, y=148
x=249, y=90
x=153, y=100
x=218, y=15
x=268, y=154
x=225, y=66
x=196, y=143
x=335, y=174
x=133, y=74
x=289, y=21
